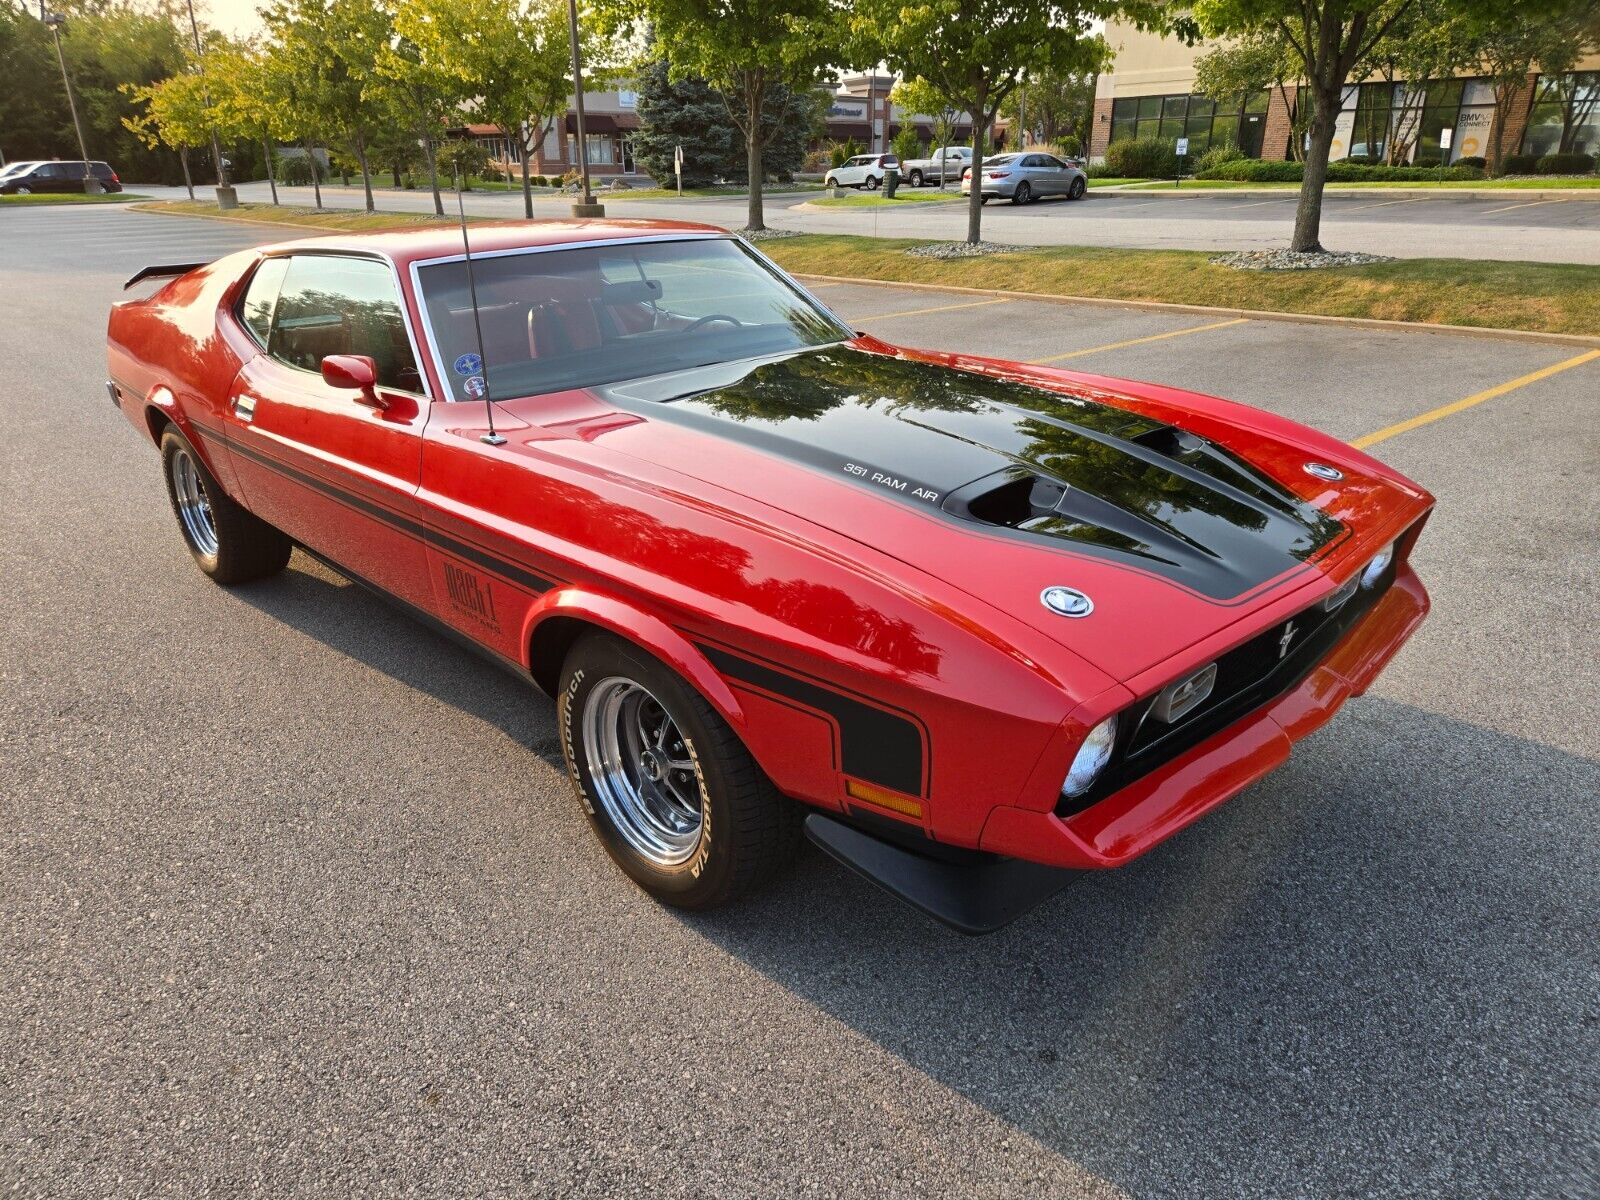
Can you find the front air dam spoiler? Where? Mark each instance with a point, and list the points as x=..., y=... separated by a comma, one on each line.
x=973, y=897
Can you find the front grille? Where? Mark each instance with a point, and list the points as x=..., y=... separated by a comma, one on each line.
x=1248, y=677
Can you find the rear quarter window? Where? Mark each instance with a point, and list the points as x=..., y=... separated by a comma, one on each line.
x=261, y=299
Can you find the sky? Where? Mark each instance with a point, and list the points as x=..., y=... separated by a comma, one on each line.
x=235, y=17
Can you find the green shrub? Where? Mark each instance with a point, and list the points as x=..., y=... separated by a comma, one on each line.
x=295, y=169
x=1472, y=160
x=1068, y=147
x=1566, y=164
x=1519, y=164
x=1098, y=171
x=1254, y=170
x=539, y=181
x=1143, y=158
x=1226, y=152
x=1344, y=171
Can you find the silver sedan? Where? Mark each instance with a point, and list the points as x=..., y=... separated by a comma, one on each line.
x=1024, y=177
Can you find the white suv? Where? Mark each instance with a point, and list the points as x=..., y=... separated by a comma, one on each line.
x=862, y=171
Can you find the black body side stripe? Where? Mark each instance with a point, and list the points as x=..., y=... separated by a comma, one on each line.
x=876, y=746
x=510, y=570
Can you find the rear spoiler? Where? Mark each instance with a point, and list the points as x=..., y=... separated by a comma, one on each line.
x=167, y=272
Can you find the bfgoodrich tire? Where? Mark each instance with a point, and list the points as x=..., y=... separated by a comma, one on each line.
x=228, y=543
x=668, y=787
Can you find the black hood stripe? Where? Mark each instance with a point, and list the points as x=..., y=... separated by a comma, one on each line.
x=1005, y=458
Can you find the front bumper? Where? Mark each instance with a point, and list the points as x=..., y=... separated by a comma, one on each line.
x=1151, y=809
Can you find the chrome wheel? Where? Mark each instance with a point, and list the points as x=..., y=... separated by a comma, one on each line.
x=644, y=771
x=194, y=506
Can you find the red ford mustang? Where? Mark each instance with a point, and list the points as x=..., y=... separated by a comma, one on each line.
x=987, y=623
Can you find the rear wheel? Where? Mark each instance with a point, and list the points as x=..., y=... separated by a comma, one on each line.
x=228, y=543
x=1023, y=194
x=872, y=184
x=669, y=789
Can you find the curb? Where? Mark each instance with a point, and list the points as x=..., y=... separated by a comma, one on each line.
x=1204, y=310
x=812, y=206
x=423, y=219
x=1421, y=192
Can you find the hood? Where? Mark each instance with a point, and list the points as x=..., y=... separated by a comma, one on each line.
x=1009, y=460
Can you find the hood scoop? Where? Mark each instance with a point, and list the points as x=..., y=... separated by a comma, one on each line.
x=1160, y=498
x=1056, y=470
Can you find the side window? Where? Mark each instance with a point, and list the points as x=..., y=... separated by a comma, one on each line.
x=261, y=298
x=333, y=305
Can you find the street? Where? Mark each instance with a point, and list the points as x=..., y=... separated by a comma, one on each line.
x=298, y=902
x=1508, y=227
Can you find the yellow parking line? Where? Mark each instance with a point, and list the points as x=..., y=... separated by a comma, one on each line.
x=1526, y=204
x=1154, y=337
x=1386, y=203
x=918, y=312
x=1436, y=414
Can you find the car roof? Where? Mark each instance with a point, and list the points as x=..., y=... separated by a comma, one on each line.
x=443, y=239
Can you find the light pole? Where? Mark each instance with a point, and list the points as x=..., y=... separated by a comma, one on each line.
x=55, y=21
x=226, y=196
x=588, y=208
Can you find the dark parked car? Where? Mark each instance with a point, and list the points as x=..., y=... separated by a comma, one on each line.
x=58, y=176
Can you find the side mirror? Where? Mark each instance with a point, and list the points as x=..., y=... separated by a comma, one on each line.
x=354, y=371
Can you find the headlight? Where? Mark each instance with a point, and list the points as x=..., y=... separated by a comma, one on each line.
x=1373, y=572
x=1092, y=758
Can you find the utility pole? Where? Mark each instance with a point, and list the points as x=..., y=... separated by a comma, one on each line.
x=588, y=208
x=226, y=196
x=91, y=185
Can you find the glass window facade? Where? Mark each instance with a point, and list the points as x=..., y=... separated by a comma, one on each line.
x=1205, y=122
x=1566, y=115
x=1405, y=123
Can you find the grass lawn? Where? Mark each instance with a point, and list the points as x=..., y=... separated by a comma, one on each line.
x=1578, y=183
x=1115, y=180
x=1543, y=297
x=68, y=198
x=879, y=200
x=331, y=219
x=700, y=193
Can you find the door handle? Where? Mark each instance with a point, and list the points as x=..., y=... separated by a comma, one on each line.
x=244, y=407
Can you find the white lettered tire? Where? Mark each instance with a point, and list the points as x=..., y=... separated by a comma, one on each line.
x=668, y=787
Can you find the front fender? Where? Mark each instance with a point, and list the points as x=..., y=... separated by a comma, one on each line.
x=645, y=630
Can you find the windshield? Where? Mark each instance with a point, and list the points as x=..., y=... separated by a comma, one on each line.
x=594, y=315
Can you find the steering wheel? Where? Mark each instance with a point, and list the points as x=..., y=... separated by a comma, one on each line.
x=710, y=317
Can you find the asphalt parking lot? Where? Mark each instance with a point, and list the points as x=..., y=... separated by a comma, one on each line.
x=296, y=901
x=1508, y=226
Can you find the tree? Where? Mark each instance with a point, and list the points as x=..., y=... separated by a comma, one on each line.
x=1260, y=61
x=1057, y=106
x=328, y=50
x=1328, y=37
x=176, y=113
x=1429, y=41
x=1509, y=41
x=246, y=104
x=907, y=143
x=511, y=61
x=425, y=87
x=685, y=112
x=743, y=48
x=974, y=53
x=919, y=97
